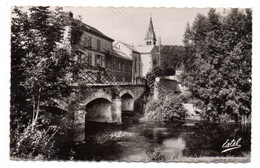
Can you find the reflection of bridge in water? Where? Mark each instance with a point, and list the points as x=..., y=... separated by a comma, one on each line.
x=101, y=101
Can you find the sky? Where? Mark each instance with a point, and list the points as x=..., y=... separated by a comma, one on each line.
x=129, y=25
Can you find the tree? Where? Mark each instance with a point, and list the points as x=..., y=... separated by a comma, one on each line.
x=44, y=64
x=218, y=50
x=39, y=65
x=19, y=29
x=172, y=56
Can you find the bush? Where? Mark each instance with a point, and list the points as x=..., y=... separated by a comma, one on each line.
x=164, y=109
x=35, y=144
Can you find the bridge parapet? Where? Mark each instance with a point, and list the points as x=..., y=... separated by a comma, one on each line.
x=103, y=78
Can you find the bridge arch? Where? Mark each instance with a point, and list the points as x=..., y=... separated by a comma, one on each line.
x=98, y=107
x=127, y=99
x=127, y=92
x=99, y=110
x=97, y=95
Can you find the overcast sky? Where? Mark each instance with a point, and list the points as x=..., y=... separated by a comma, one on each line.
x=130, y=24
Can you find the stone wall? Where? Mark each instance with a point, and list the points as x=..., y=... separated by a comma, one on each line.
x=164, y=86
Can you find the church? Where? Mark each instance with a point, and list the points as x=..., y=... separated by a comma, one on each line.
x=145, y=57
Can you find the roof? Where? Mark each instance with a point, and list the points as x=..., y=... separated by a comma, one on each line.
x=144, y=48
x=150, y=34
x=119, y=53
x=127, y=45
x=91, y=29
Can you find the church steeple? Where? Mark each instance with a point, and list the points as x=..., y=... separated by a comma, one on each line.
x=150, y=37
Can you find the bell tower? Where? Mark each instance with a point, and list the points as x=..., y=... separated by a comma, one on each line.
x=150, y=38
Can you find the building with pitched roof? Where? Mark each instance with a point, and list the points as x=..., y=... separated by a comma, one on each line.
x=145, y=57
x=133, y=54
x=94, y=51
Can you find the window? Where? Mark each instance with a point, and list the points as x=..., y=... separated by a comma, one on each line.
x=98, y=61
x=85, y=58
x=148, y=42
x=87, y=41
x=98, y=44
x=78, y=57
x=119, y=65
x=89, y=60
x=103, y=62
x=123, y=66
x=135, y=62
x=114, y=66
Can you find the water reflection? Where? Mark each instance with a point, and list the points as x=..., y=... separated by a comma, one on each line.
x=173, y=148
x=155, y=134
x=159, y=141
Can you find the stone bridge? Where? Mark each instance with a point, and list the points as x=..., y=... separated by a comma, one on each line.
x=98, y=103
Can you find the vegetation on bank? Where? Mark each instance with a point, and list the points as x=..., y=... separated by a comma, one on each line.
x=164, y=109
x=218, y=65
x=172, y=56
x=169, y=106
x=40, y=65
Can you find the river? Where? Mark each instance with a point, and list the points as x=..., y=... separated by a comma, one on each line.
x=158, y=141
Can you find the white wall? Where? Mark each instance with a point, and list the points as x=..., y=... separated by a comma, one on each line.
x=124, y=49
x=146, y=63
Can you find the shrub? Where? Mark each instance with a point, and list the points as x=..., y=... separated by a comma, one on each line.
x=34, y=144
x=164, y=109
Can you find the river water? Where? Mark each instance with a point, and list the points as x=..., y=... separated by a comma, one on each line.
x=158, y=141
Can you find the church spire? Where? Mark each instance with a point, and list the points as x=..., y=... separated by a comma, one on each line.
x=150, y=37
